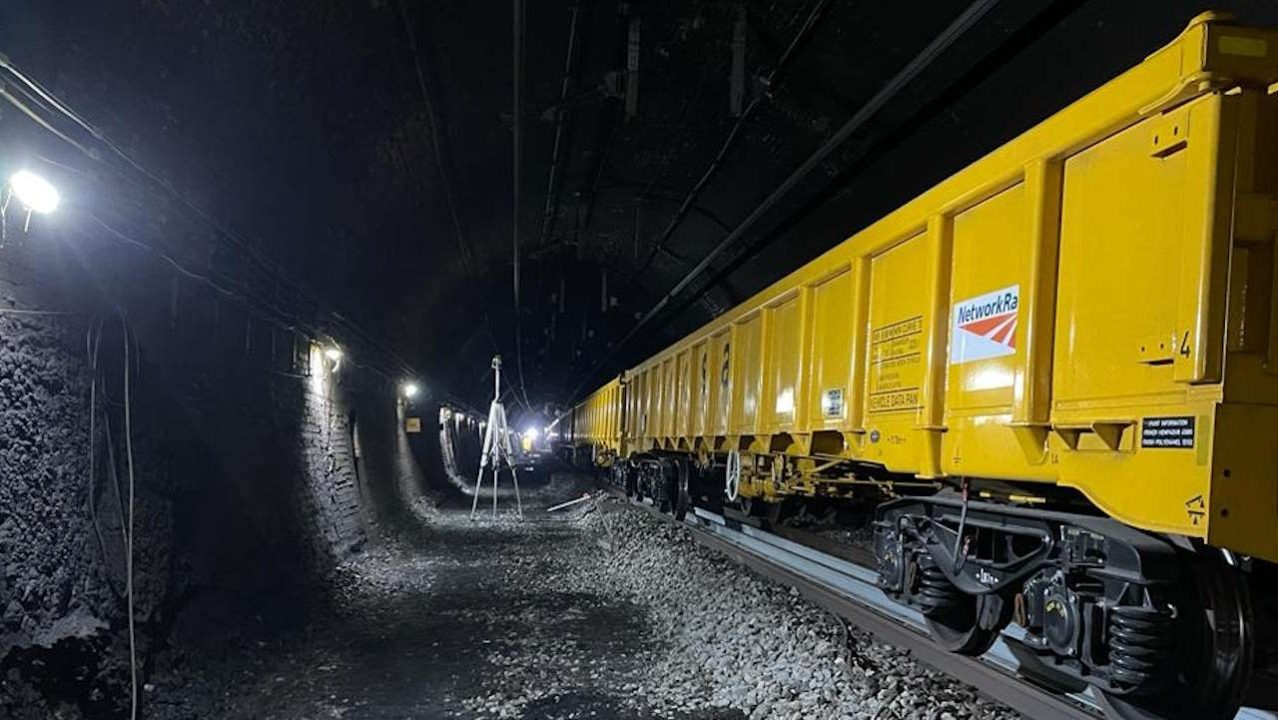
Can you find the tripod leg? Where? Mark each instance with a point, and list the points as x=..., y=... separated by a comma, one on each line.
x=518, y=503
x=474, y=502
x=496, y=469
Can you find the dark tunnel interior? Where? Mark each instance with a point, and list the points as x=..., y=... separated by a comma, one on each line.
x=278, y=215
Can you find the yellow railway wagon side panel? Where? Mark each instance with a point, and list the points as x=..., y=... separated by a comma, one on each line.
x=700, y=389
x=683, y=395
x=610, y=417
x=990, y=274
x=659, y=394
x=652, y=390
x=899, y=319
x=668, y=391
x=830, y=352
x=747, y=359
x=616, y=409
x=628, y=428
x=721, y=387
x=627, y=403
x=639, y=390
x=785, y=358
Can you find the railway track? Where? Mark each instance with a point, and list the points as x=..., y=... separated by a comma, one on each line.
x=843, y=584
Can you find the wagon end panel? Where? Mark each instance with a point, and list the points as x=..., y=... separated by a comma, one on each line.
x=1144, y=246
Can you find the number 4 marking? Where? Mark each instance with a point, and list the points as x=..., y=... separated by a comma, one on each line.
x=1184, y=345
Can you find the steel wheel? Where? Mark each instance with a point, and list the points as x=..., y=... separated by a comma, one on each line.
x=632, y=483
x=682, y=495
x=958, y=627
x=664, y=492
x=1214, y=656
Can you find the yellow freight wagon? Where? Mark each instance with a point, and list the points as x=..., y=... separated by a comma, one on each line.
x=595, y=424
x=1075, y=336
x=1028, y=318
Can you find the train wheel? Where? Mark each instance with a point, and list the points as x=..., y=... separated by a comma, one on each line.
x=632, y=483
x=959, y=622
x=958, y=628
x=664, y=492
x=1214, y=656
x=682, y=493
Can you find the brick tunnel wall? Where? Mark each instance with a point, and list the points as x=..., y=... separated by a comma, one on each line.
x=256, y=471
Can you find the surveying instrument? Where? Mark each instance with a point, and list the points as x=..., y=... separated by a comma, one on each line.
x=497, y=448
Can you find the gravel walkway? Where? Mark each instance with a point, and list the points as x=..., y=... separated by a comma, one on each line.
x=599, y=611
x=734, y=640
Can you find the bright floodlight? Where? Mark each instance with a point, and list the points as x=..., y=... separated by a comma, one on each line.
x=410, y=389
x=531, y=433
x=34, y=192
x=334, y=355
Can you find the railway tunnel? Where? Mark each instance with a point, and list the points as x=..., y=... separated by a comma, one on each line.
x=257, y=260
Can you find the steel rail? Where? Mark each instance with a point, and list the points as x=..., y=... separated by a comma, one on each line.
x=848, y=589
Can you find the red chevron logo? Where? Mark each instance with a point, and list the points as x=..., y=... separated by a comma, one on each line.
x=998, y=328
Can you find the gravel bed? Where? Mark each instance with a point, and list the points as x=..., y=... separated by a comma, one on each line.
x=596, y=611
x=735, y=641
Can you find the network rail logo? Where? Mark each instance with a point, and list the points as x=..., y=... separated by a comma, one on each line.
x=985, y=326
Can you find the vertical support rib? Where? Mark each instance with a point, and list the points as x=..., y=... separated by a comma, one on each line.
x=860, y=346
x=1200, y=314
x=1032, y=390
x=940, y=239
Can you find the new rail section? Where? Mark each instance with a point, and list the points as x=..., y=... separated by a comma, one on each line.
x=1053, y=376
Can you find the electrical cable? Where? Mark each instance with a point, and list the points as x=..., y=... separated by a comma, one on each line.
x=128, y=446
x=22, y=107
x=551, y=210
x=445, y=179
x=92, y=341
x=517, y=35
x=25, y=311
x=168, y=188
x=1010, y=46
x=730, y=142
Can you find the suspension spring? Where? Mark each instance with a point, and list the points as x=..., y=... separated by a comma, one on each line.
x=935, y=590
x=1138, y=640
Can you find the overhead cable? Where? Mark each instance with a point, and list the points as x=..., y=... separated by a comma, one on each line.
x=942, y=42
x=517, y=36
x=729, y=143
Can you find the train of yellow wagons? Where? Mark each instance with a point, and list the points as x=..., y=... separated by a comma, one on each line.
x=1055, y=374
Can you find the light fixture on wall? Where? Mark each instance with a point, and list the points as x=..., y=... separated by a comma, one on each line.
x=334, y=355
x=35, y=193
x=410, y=390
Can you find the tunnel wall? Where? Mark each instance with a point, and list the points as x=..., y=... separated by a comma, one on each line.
x=257, y=470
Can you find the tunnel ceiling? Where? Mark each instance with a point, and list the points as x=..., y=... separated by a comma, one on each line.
x=331, y=134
